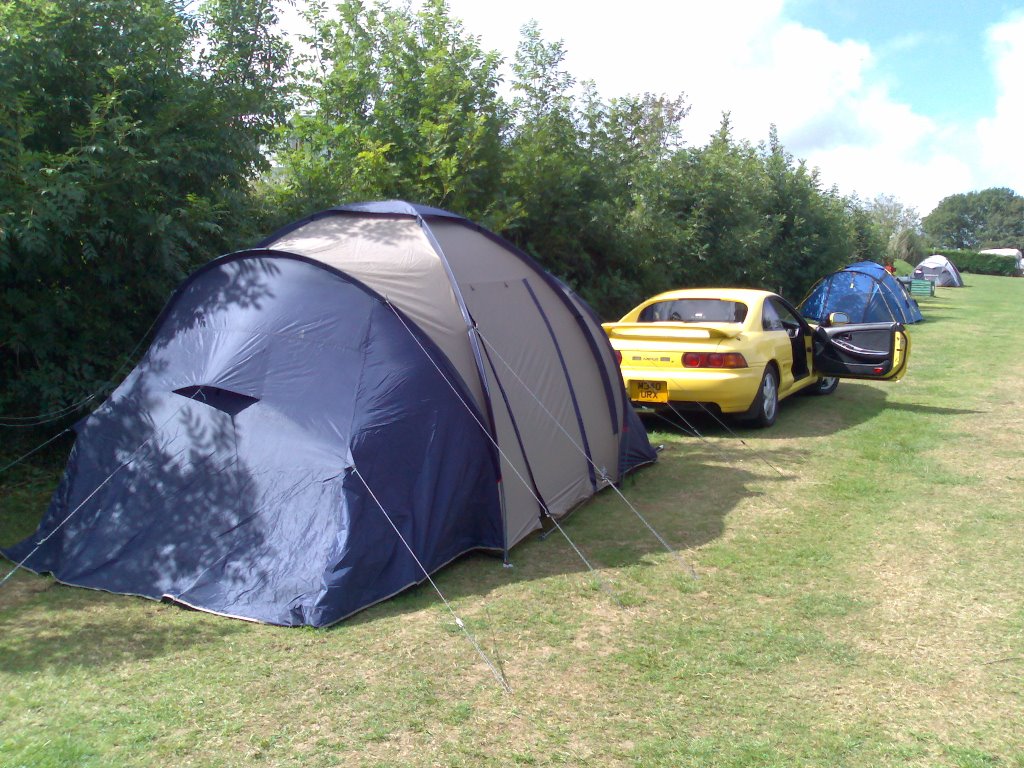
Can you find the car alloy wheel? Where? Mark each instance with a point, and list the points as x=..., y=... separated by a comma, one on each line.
x=826, y=385
x=769, y=397
x=766, y=405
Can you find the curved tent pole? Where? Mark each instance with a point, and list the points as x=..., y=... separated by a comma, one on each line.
x=568, y=383
x=562, y=292
x=888, y=289
x=481, y=371
x=592, y=466
x=494, y=442
x=422, y=213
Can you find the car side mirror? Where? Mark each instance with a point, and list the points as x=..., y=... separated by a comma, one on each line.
x=838, y=318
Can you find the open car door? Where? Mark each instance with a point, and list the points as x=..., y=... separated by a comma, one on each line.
x=878, y=351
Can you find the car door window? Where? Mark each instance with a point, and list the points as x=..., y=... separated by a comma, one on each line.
x=770, y=320
x=779, y=317
x=790, y=323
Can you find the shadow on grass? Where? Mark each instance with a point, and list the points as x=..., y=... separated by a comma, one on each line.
x=939, y=310
x=799, y=416
x=686, y=497
x=48, y=626
x=853, y=404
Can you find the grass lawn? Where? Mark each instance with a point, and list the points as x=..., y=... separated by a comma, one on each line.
x=861, y=606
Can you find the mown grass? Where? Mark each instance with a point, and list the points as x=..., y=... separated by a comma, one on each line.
x=861, y=606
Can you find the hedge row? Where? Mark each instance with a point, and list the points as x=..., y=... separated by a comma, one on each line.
x=982, y=263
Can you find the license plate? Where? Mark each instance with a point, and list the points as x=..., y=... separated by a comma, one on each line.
x=649, y=391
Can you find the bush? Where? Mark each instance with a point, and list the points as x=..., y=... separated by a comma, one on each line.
x=904, y=268
x=982, y=263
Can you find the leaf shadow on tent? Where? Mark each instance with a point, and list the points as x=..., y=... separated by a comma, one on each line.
x=245, y=285
x=161, y=454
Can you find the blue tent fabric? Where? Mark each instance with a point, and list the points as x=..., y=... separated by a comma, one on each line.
x=866, y=292
x=231, y=511
x=284, y=423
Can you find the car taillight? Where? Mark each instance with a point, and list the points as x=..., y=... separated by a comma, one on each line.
x=714, y=360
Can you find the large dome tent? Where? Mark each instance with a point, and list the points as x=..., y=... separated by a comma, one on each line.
x=866, y=292
x=939, y=270
x=322, y=420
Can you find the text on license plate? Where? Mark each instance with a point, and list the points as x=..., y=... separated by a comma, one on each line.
x=649, y=391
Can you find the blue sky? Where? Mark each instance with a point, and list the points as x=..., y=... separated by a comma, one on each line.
x=913, y=99
x=933, y=55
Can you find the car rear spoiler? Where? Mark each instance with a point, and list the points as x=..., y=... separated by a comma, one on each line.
x=666, y=331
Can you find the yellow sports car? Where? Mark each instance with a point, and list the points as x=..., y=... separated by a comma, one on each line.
x=741, y=351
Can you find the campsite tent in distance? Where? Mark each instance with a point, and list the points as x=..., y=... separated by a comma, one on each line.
x=866, y=292
x=323, y=419
x=1010, y=253
x=939, y=270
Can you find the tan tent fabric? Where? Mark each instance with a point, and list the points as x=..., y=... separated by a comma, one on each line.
x=392, y=256
x=514, y=308
x=541, y=371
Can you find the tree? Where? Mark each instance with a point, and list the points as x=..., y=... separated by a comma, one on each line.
x=583, y=177
x=891, y=216
x=396, y=104
x=125, y=160
x=719, y=194
x=992, y=218
x=899, y=226
x=817, y=231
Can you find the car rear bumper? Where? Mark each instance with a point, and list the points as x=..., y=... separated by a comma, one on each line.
x=732, y=390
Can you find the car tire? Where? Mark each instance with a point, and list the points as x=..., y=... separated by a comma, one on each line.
x=826, y=385
x=765, y=409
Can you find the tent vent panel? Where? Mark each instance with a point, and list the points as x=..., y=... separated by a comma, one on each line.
x=231, y=403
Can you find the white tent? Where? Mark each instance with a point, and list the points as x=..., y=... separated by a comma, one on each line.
x=1013, y=253
x=940, y=271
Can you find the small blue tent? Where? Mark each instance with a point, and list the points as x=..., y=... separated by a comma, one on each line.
x=322, y=420
x=866, y=292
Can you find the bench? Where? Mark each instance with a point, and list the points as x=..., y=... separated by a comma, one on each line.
x=922, y=288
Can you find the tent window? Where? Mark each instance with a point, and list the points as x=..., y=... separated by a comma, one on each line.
x=225, y=400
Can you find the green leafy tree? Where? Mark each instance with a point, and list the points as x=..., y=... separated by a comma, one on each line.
x=396, y=104
x=583, y=177
x=992, y=218
x=125, y=160
x=753, y=217
x=816, y=231
x=908, y=247
x=720, y=197
x=898, y=224
x=548, y=181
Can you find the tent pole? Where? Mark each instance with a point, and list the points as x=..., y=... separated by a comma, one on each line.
x=601, y=472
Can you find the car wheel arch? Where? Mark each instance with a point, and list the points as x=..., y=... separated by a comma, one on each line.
x=757, y=416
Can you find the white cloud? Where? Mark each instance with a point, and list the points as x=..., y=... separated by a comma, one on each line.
x=999, y=136
x=746, y=58
x=830, y=104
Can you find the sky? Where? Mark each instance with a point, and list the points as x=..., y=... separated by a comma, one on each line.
x=915, y=99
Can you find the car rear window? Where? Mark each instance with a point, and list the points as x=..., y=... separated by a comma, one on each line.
x=694, y=311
